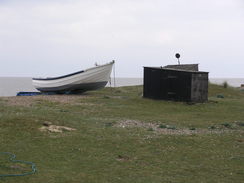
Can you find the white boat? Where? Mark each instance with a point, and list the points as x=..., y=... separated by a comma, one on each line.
x=90, y=79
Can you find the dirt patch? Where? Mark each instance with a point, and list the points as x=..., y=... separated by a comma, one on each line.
x=48, y=127
x=85, y=104
x=30, y=100
x=165, y=129
x=135, y=123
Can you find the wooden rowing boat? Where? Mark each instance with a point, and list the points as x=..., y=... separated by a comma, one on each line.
x=90, y=79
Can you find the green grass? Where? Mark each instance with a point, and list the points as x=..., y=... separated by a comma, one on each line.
x=99, y=151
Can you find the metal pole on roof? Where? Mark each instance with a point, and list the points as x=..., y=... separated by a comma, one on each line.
x=177, y=55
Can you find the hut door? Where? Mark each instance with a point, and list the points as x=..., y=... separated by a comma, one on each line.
x=168, y=86
x=171, y=87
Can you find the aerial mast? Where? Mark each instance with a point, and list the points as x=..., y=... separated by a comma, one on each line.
x=177, y=55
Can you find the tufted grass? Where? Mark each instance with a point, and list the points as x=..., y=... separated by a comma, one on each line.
x=100, y=151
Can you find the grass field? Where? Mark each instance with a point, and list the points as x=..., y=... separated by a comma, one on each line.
x=121, y=137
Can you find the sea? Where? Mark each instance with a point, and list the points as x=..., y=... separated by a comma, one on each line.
x=10, y=86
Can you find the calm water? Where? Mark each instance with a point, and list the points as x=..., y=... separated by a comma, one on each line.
x=9, y=86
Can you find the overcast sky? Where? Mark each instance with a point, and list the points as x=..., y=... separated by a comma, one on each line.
x=56, y=37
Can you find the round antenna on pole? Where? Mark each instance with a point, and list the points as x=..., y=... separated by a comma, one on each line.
x=177, y=55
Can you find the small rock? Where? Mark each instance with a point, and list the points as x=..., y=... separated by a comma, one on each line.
x=220, y=96
x=123, y=158
x=46, y=123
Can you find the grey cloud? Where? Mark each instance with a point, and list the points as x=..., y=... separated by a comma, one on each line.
x=53, y=37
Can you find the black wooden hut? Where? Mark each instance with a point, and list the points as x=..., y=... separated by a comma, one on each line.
x=176, y=82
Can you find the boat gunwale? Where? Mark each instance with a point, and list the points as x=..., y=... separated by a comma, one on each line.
x=59, y=77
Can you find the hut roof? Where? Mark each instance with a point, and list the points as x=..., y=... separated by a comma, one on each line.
x=185, y=67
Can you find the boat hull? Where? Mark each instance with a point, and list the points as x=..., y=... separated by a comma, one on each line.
x=74, y=88
x=90, y=79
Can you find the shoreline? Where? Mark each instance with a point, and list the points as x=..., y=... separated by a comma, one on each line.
x=10, y=86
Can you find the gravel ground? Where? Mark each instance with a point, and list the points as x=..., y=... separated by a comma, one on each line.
x=30, y=100
x=167, y=129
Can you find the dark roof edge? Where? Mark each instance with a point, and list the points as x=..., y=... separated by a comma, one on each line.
x=181, y=64
x=162, y=68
